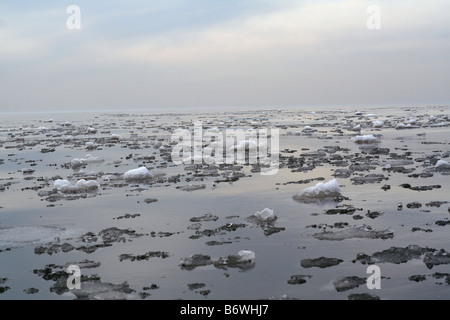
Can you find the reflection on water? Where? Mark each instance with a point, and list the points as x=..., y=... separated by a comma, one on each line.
x=143, y=219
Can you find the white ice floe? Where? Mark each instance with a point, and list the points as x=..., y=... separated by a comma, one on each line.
x=90, y=145
x=137, y=174
x=115, y=136
x=81, y=185
x=308, y=129
x=246, y=255
x=86, y=160
x=142, y=173
x=442, y=164
x=377, y=124
x=265, y=214
x=365, y=138
x=405, y=126
x=320, y=191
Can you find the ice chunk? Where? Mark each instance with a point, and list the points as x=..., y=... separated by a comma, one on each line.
x=377, y=124
x=140, y=173
x=28, y=235
x=364, y=138
x=115, y=136
x=81, y=185
x=90, y=145
x=320, y=191
x=355, y=232
x=246, y=255
x=61, y=184
x=442, y=165
x=77, y=162
x=265, y=214
x=405, y=126
x=308, y=129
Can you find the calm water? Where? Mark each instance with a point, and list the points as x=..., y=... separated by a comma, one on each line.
x=29, y=219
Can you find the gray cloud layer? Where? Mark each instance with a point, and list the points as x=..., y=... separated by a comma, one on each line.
x=243, y=53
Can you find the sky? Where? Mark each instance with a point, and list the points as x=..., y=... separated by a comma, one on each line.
x=211, y=54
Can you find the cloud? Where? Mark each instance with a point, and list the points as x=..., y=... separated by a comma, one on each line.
x=288, y=53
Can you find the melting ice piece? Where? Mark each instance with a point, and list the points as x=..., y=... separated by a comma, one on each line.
x=364, y=139
x=355, y=232
x=246, y=255
x=115, y=136
x=87, y=159
x=28, y=235
x=377, y=124
x=137, y=174
x=320, y=191
x=265, y=214
x=81, y=185
x=442, y=164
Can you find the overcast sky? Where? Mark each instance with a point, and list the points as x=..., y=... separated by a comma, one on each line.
x=222, y=53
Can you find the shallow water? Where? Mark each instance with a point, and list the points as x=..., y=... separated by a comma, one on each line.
x=30, y=222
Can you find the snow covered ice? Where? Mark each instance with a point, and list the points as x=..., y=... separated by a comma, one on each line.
x=365, y=138
x=246, y=255
x=137, y=174
x=265, y=214
x=81, y=185
x=320, y=191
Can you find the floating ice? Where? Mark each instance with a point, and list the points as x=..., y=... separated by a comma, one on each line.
x=115, y=136
x=246, y=255
x=308, y=129
x=405, y=126
x=90, y=145
x=355, y=232
x=377, y=124
x=77, y=162
x=265, y=214
x=137, y=174
x=320, y=191
x=442, y=164
x=81, y=185
x=28, y=235
x=364, y=138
